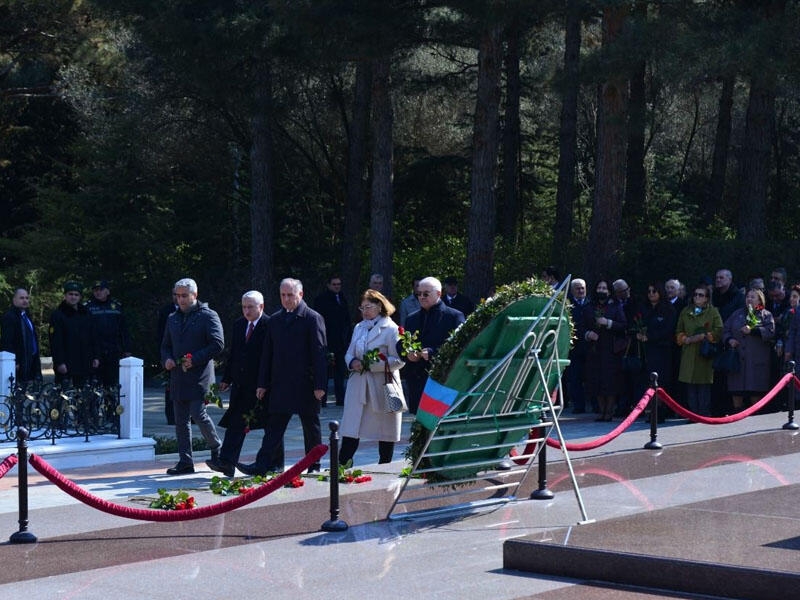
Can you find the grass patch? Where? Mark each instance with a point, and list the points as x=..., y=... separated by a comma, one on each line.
x=169, y=445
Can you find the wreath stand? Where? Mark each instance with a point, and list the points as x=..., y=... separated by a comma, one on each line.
x=467, y=448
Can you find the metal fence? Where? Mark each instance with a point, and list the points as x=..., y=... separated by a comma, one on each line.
x=53, y=412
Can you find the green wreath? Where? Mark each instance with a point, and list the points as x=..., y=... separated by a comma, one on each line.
x=448, y=355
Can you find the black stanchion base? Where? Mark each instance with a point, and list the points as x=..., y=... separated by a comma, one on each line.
x=542, y=494
x=337, y=525
x=791, y=425
x=653, y=446
x=22, y=537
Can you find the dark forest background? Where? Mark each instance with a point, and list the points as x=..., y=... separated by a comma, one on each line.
x=239, y=142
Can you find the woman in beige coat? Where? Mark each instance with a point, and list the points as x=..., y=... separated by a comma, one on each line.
x=372, y=347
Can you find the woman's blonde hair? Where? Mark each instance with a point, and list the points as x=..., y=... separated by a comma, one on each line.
x=761, y=298
x=387, y=308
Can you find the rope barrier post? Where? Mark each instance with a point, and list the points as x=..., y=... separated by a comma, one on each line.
x=23, y=536
x=653, y=444
x=542, y=493
x=790, y=424
x=334, y=523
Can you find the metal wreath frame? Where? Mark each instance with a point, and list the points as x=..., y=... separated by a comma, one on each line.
x=485, y=392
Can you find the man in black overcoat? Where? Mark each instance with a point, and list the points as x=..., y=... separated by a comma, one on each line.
x=18, y=336
x=72, y=339
x=434, y=322
x=245, y=411
x=192, y=339
x=338, y=328
x=163, y=314
x=294, y=373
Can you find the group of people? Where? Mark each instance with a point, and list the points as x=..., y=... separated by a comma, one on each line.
x=278, y=364
x=87, y=339
x=677, y=332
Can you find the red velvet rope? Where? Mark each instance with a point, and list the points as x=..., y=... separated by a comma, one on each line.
x=615, y=433
x=8, y=464
x=730, y=418
x=147, y=514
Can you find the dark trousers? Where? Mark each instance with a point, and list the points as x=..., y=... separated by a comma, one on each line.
x=350, y=445
x=169, y=410
x=276, y=428
x=232, y=444
x=577, y=396
x=107, y=371
x=187, y=411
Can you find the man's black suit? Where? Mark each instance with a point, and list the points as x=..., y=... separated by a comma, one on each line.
x=434, y=327
x=338, y=328
x=244, y=412
x=18, y=336
x=163, y=314
x=293, y=365
x=460, y=302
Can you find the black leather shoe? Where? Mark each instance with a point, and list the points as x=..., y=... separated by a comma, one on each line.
x=221, y=466
x=314, y=468
x=180, y=469
x=251, y=469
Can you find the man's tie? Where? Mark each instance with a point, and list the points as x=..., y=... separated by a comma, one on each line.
x=250, y=328
x=30, y=333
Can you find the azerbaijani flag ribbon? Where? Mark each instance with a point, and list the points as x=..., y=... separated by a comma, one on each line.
x=436, y=400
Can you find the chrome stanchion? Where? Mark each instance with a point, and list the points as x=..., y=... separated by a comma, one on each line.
x=334, y=523
x=790, y=424
x=542, y=493
x=653, y=444
x=23, y=536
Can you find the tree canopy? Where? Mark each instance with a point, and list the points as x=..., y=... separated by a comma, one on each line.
x=239, y=142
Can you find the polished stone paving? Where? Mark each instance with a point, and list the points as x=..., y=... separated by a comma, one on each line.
x=713, y=494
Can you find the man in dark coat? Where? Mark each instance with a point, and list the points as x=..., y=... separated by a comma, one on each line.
x=163, y=314
x=434, y=322
x=71, y=339
x=245, y=411
x=112, y=340
x=192, y=339
x=577, y=354
x=293, y=372
x=338, y=328
x=18, y=336
x=455, y=299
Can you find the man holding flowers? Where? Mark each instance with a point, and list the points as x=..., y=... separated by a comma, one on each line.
x=192, y=338
x=432, y=323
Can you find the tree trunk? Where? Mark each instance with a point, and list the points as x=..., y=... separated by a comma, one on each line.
x=355, y=204
x=604, y=235
x=382, y=212
x=511, y=140
x=479, y=269
x=567, y=136
x=636, y=179
x=755, y=160
x=722, y=140
x=262, y=199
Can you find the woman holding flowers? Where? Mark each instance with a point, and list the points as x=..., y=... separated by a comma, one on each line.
x=750, y=330
x=372, y=348
x=699, y=322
